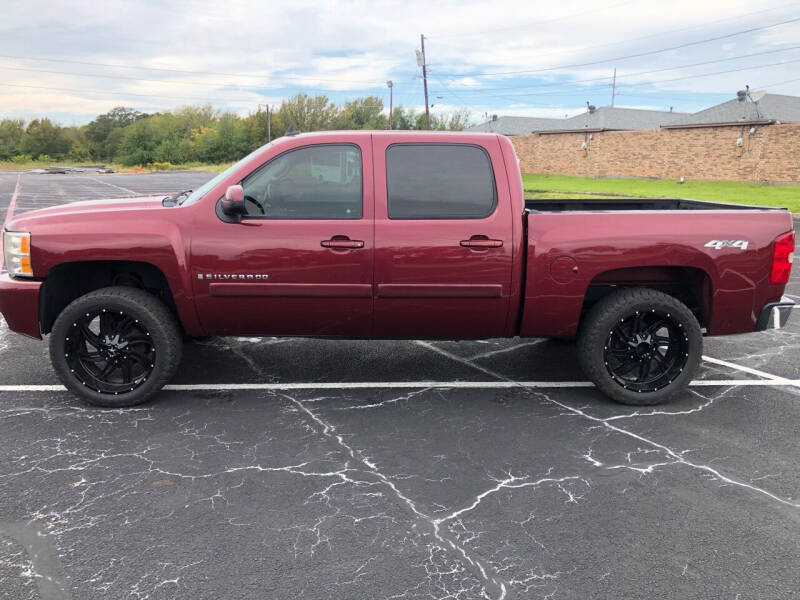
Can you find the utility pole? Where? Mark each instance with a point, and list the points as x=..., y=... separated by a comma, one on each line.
x=614, y=87
x=269, y=124
x=390, y=84
x=424, y=66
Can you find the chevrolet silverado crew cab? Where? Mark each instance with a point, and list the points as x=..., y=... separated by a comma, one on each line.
x=390, y=234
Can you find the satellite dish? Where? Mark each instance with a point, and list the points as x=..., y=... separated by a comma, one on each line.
x=757, y=95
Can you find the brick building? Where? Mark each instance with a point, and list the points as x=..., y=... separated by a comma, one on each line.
x=735, y=140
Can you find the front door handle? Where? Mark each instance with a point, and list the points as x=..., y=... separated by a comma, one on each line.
x=342, y=242
x=481, y=242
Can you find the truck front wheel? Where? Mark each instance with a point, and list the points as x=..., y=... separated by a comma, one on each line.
x=640, y=346
x=116, y=346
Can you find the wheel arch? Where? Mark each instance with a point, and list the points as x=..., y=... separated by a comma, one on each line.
x=691, y=285
x=68, y=281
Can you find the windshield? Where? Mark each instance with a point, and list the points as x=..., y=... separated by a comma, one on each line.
x=214, y=181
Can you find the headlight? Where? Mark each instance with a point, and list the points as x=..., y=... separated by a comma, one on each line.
x=17, y=253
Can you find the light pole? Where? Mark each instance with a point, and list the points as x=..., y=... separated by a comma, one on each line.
x=390, y=84
x=269, y=124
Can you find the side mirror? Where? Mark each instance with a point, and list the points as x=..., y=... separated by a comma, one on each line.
x=233, y=202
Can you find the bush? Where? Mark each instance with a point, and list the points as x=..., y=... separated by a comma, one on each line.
x=161, y=166
x=21, y=159
x=44, y=158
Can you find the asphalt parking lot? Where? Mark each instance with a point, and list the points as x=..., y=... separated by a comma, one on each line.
x=298, y=468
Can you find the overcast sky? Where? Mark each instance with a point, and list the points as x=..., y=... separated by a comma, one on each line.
x=73, y=60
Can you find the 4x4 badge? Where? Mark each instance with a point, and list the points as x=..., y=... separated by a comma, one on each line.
x=720, y=244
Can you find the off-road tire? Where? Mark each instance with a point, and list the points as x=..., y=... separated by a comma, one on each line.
x=155, y=318
x=603, y=317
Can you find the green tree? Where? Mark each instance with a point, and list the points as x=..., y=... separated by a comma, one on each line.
x=306, y=113
x=199, y=133
x=42, y=137
x=363, y=113
x=79, y=147
x=11, y=133
x=222, y=143
x=104, y=134
x=403, y=118
x=139, y=143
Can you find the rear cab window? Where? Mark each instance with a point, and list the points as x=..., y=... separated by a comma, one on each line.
x=439, y=181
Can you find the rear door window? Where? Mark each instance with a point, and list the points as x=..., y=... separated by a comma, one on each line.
x=439, y=181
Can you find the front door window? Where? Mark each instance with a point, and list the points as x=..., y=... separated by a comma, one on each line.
x=314, y=182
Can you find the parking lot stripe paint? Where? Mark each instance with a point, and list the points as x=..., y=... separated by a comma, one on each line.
x=678, y=457
x=10, y=213
x=509, y=349
x=750, y=370
x=13, y=203
x=410, y=385
x=126, y=190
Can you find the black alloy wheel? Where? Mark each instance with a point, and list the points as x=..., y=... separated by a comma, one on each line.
x=110, y=352
x=646, y=351
x=640, y=346
x=116, y=346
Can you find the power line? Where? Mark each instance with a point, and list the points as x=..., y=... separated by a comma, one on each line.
x=769, y=85
x=532, y=23
x=764, y=66
x=62, y=89
x=670, y=31
x=629, y=56
x=624, y=91
x=451, y=92
x=635, y=74
x=166, y=70
x=682, y=78
x=169, y=81
x=124, y=94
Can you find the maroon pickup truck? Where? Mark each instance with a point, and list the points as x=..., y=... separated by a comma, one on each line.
x=390, y=235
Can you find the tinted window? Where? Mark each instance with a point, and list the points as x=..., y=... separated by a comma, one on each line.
x=446, y=181
x=316, y=182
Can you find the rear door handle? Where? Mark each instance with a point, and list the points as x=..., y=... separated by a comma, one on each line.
x=481, y=243
x=341, y=242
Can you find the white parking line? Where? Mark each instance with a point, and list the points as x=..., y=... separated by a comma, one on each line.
x=126, y=190
x=13, y=202
x=9, y=213
x=777, y=379
x=378, y=385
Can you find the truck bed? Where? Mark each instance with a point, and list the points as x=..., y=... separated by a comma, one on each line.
x=605, y=204
x=723, y=251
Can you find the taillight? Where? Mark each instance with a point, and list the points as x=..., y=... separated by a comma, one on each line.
x=782, y=259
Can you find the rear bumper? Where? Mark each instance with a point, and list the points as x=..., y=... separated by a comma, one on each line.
x=19, y=303
x=775, y=314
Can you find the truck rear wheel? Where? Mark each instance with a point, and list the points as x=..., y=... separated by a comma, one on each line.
x=640, y=346
x=115, y=347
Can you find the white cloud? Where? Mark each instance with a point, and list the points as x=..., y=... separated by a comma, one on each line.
x=244, y=52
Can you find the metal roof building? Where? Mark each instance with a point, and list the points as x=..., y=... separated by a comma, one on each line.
x=600, y=119
x=516, y=125
x=771, y=107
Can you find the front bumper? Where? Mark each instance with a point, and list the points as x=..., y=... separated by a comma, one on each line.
x=775, y=314
x=19, y=303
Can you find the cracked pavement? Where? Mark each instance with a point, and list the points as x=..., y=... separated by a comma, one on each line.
x=495, y=489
